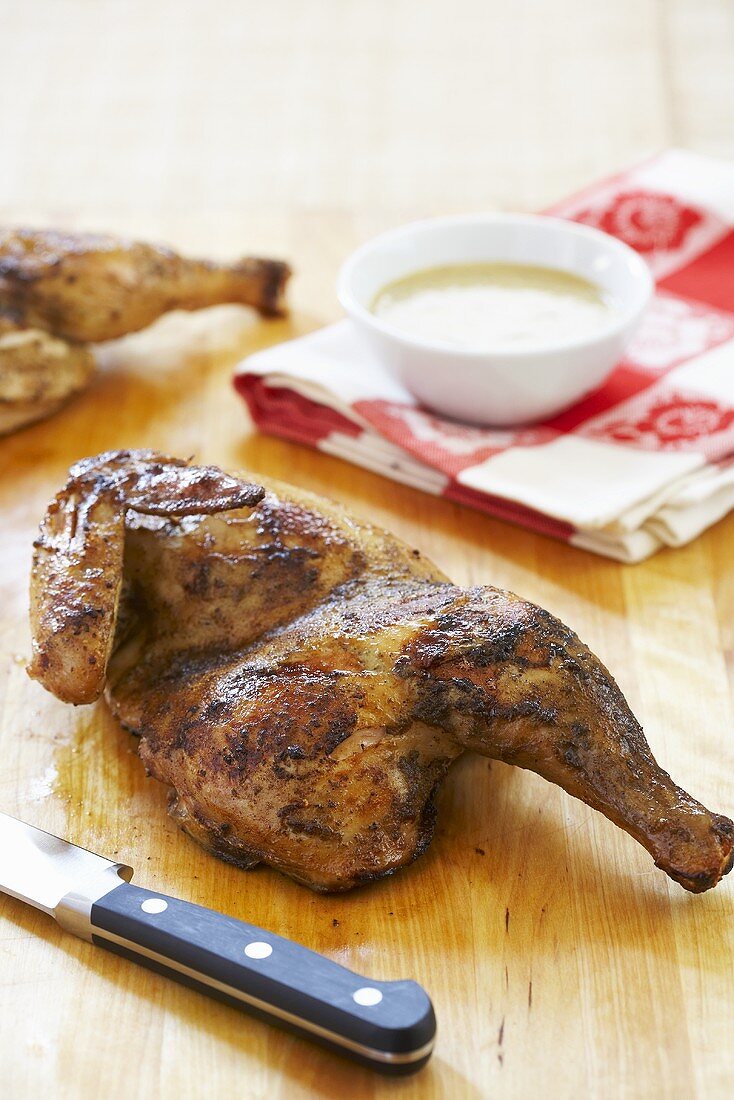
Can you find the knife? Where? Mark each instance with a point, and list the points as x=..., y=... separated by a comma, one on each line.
x=388, y=1026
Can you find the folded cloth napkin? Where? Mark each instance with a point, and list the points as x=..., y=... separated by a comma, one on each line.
x=646, y=460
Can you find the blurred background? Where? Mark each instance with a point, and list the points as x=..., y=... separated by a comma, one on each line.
x=259, y=118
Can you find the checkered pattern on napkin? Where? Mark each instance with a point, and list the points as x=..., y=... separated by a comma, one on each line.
x=646, y=460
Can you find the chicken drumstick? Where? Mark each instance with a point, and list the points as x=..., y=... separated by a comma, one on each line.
x=82, y=286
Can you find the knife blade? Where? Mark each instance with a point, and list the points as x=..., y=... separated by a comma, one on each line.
x=389, y=1026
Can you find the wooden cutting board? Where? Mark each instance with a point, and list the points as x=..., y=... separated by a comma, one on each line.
x=558, y=958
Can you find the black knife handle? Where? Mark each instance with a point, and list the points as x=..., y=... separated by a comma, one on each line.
x=389, y=1026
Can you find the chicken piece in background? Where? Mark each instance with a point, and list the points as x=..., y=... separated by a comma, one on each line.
x=59, y=291
x=39, y=372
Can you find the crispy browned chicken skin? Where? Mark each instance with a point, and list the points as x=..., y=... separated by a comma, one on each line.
x=68, y=289
x=84, y=286
x=303, y=681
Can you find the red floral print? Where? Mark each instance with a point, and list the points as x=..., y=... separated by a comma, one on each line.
x=676, y=421
x=648, y=222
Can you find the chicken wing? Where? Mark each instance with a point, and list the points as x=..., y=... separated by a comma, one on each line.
x=302, y=681
x=86, y=287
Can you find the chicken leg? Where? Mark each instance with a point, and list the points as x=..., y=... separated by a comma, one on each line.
x=303, y=681
x=86, y=287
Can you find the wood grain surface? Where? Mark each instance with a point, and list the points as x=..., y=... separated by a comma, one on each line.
x=561, y=963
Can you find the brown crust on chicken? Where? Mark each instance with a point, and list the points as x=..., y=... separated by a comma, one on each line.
x=78, y=556
x=303, y=681
x=90, y=287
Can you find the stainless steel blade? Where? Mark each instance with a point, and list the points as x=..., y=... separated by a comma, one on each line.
x=55, y=876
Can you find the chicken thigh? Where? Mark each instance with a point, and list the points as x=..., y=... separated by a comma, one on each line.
x=302, y=681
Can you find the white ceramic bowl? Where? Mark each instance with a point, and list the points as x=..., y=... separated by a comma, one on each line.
x=501, y=386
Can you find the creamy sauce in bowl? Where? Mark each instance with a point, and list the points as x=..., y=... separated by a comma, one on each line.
x=483, y=306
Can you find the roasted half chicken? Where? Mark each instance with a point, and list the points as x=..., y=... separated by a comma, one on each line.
x=302, y=681
x=59, y=291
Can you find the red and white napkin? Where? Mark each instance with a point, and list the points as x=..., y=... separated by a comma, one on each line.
x=645, y=461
